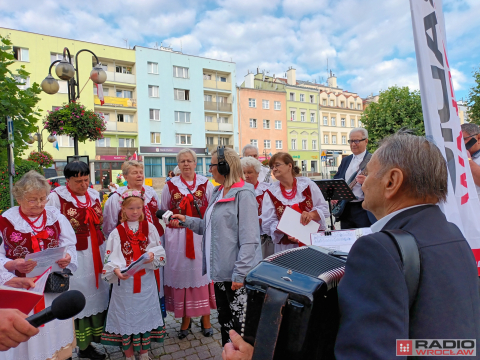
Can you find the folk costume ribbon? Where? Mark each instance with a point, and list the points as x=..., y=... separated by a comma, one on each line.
x=134, y=240
x=186, y=206
x=91, y=217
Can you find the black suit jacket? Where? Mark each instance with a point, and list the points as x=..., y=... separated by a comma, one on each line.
x=373, y=296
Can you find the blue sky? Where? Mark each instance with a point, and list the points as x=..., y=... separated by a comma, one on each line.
x=368, y=43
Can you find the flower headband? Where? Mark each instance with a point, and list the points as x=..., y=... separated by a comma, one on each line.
x=131, y=193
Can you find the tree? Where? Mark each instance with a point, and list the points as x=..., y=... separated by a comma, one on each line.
x=16, y=103
x=396, y=108
x=473, y=102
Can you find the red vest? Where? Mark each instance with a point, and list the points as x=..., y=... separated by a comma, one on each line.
x=76, y=216
x=260, y=202
x=18, y=244
x=200, y=196
x=126, y=247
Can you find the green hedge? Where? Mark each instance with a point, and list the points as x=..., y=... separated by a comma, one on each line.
x=21, y=168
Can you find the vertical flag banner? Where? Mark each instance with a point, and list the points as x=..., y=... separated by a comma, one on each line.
x=440, y=114
x=100, y=94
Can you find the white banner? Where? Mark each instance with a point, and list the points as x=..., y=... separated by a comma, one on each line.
x=440, y=113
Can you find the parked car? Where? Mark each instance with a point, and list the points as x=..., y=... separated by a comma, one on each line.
x=57, y=181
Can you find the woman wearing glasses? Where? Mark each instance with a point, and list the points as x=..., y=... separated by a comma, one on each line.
x=29, y=228
x=188, y=293
x=297, y=192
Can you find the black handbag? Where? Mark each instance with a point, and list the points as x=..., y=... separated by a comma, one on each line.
x=58, y=281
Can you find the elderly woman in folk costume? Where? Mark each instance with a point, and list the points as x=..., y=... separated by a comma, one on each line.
x=29, y=228
x=81, y=206
x=132, y=171
x=188, y=293
x=298, y=192
x=134, y=316
x=251, y=170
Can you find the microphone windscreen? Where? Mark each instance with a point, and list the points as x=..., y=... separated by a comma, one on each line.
x=68, y=304
x=160, y=213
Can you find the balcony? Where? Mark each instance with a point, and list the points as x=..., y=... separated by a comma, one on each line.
x=212, y=148
x=214, y=126
x=120, y=77
x=212, y=84
x=116, y=101
x=115, y=151
x=217, y=106
x=122, y=126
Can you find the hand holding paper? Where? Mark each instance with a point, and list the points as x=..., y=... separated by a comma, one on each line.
x=291, y=224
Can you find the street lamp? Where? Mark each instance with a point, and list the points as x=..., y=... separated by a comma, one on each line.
x=66, y=71
x=38, y=136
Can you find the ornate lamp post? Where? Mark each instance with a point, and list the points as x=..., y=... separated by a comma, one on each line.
x=38, y=136
x=66, y=71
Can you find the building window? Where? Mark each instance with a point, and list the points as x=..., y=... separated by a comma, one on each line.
x=332, y=103
x=254, y=142
x=325, y=139
x=209, y=140
x=334, y=139
x=106, y=116
x=125, y=118
x=181, y=94
x=333, y=121
x=277, y=105
x=21, y=54
x=351, y=105
x=64, y=141
x=294, y=144
x=182, y=117
x=152, y=67
x=25, y=83
x=302, y=116
x=312, y=99
x=292, y=115
x=342, y=122
x=360, y=123
x=207, y=77
x=359, y=107
x=314, y=144
x=265, y=104
x=312, y=117
x=352, y=122
x=223, y=141
x=207, y=98
x=304, y=144
x=155, y=137
x=292, y=96
x=342, y=104
x=208, y=118
x=252, y=103
x=126, y=94
x=344, y=139
x=184, y=139
x=123, y=69
x=266, y=144
x=155, y=114
x=325, y=120
x=302, y=97
x=253, y=123
x=153, y=91
x=221, y=78
x=278, y=124
x=105, y=142
x=278, y=144
x=125, y=142
x=180, y=72
x=324, y=102
x=266, y=124
x=153, y=166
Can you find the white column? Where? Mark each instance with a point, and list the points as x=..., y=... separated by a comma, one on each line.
x=163, y=166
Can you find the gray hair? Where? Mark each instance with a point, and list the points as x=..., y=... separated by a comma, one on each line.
x=421, y=162
x=176, y=171
x=248, y=147
x=129, y=164
x=31, y=181
x=362, y=130
x=187, y=151
x=251, y=162
x=471, y=129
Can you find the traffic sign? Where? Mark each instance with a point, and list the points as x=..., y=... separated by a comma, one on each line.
x=324, y=158
x=10, y=129
x=324, y=154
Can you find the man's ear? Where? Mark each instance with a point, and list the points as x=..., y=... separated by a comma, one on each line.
x=393, y=181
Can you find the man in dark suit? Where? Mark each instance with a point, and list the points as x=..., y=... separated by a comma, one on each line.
x=354, y=216
x=407, y=177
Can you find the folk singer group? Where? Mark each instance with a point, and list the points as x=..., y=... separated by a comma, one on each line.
x=216, y=235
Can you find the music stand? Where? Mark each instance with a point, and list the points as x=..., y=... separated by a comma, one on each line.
x=334, y=189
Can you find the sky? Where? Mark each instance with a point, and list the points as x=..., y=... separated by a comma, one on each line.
x=368, y=44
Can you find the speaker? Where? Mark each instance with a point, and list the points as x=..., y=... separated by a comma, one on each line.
x=223, y=167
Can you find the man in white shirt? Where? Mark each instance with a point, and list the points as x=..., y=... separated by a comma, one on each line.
x=472, y=131
x=265, y=174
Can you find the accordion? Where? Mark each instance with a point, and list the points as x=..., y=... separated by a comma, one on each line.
x=291, y=310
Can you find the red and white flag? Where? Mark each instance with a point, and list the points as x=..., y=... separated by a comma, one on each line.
x=440, y=114
x=134, y=156
x=100, y=93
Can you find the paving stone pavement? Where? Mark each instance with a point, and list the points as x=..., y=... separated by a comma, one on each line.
x=194, y=347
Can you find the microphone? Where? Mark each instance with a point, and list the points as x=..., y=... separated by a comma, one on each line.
x=167, y=216
x=66, y=306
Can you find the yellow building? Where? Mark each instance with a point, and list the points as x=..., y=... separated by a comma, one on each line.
x=37, y=52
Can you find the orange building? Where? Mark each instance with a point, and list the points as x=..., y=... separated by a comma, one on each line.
x=262, y=119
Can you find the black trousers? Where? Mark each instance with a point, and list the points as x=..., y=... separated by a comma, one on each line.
x=354, y=216
x=230, y=306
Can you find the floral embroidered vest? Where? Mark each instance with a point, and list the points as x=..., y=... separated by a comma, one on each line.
x=260, y=202
x=18, y=245
x=126, y=246
x=200, y=196
x=76, y=216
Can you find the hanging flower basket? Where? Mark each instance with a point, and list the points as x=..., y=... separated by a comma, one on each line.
x=74, y=120
x=43, y=158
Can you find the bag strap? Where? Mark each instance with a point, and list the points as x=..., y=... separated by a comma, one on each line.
x=362, y=166
x=410, y=256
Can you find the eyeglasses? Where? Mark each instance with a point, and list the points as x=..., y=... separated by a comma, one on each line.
x=468, y=137
x=36, y=201
x=274, y=166
x=187, y=162
x=356, y=141
x=212, y=165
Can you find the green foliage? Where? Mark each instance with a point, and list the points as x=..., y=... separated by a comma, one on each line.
x=396, y=108
x=474, y=100
x=43, y=158
x=21, y=168
x=74, y=120
x=16, y=103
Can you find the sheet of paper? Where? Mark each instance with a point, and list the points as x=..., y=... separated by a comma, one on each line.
x=341, y=240
x=45, y=259
x=136, y=266
x=290, y=225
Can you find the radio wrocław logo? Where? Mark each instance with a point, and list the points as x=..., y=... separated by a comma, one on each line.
x=436, y=347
